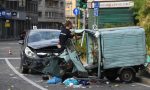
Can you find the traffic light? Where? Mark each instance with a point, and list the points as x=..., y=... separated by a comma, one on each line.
x=82, y=4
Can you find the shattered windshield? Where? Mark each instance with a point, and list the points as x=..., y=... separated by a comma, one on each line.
x=36, y=36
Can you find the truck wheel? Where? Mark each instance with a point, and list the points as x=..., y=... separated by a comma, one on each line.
x=127, y=75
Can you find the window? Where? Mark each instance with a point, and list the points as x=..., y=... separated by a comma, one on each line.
x=40, y=14
x=62, y=4
x=46, y=14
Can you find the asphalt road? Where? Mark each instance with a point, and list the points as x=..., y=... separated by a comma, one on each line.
x=12, y=79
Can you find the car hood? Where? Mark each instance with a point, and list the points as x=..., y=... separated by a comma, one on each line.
x=43, y=43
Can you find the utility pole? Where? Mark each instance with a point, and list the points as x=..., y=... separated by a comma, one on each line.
x=84, y=17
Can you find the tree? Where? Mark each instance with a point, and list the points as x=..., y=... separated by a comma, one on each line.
x=142, y=12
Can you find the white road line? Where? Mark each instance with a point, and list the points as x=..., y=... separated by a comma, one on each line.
x=143, y=85
x=23, y=77
x=11, y=58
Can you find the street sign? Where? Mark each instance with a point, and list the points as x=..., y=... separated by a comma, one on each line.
x=96, y=8
x=96, y=11
x=14, y=13
x=96, y=4
x=76, y=11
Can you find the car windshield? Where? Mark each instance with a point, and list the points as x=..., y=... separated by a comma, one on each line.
x=35, y=36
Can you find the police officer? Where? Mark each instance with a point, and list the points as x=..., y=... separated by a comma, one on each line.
x=65, y=34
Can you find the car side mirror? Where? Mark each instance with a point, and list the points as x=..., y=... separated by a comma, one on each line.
x=21, y=42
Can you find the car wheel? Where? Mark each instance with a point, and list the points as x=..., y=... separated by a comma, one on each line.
x=23, y=69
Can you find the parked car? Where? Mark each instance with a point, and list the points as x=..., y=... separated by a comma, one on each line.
x=36, y=47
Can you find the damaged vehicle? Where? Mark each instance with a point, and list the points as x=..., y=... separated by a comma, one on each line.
x=111, y=53
x=37, y=45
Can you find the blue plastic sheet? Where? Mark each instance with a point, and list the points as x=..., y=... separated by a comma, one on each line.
x=72, y=81
x=54, y=80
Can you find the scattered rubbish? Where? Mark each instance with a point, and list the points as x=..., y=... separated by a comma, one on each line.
x=54, y=80
x=116, y=85
x=84, y=82
x=107, y=82
x=71, y=81
x=133, y=85
x=39, y=81
x=77, y=86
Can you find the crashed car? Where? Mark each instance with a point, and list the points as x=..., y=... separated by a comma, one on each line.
x=36, y=47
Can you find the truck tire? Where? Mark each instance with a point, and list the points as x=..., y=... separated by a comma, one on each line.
x=127, y=75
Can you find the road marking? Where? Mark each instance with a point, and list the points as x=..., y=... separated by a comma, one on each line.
x=23, y=77
x=143, y=85
x=11, y=58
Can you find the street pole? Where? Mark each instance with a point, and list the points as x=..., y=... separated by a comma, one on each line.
x=78, y=21
x=84, y=16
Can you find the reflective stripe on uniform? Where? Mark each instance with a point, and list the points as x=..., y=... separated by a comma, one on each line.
x=63, y=33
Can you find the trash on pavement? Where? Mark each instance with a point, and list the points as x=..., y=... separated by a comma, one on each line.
x=71, y=82
x=84, y=82
x=107, y=82
x=54, y=80
x=116, y=85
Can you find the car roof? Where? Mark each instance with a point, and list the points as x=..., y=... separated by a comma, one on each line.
x=45, y=30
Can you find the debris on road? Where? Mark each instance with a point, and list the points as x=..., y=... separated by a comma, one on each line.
x=39, y=81
x=107, y=82
x=54, y=80
x=133, y=85
x=117, y=85
x=71, y=81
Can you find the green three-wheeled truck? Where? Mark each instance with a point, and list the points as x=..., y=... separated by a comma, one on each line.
x=111, y=53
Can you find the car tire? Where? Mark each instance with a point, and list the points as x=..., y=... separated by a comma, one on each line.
x=24, y=70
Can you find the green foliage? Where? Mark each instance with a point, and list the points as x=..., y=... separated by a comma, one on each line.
x=82, y=4
x=142, y=11
x=81, y=49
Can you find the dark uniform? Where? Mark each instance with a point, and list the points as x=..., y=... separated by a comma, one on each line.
x=63, y=37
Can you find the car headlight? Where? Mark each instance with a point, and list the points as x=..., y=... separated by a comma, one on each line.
x=30, y=53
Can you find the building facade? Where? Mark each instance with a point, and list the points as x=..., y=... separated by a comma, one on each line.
x=70, y=6
x=17, y=16
x=111, y=13
x=51, y=13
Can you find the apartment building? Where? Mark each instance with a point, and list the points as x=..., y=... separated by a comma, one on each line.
x=17, y=16
x=51, y=13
